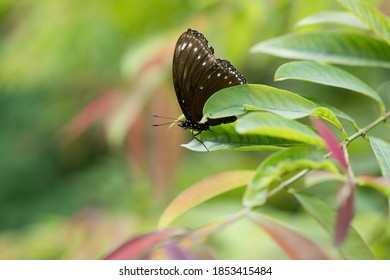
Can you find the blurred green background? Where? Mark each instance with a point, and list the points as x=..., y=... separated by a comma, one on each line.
x=81, y=166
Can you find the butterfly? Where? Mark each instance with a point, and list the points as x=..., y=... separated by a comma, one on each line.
x=197, y=75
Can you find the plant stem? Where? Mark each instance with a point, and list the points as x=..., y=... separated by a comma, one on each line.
x=216, y=226
x=364, y=130
x=344, y=145
x=284, y=184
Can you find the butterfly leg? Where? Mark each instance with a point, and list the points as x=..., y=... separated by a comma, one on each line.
x=196, y=134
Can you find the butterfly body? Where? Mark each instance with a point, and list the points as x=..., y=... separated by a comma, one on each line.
x=197, y=75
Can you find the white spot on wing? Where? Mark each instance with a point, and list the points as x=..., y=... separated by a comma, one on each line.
x=204, y=63
x=183, y=46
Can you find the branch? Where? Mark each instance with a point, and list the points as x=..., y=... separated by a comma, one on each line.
x=344, y=145
x=363, y=131
x=217, y=226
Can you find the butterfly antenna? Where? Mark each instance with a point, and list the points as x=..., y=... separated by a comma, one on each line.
x=161, y=124
x=166, y=118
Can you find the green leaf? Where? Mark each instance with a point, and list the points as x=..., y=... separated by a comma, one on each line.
x=354, y=247
x=382, y=153
x=329, y=46
x=326, y=75
x=282, y=163
x=328, y=115
x=269, y=124
x=225, y=137
x=204, y=190
x=373, y=18
x=338, y=113
x=333, y=17
x=237, y=100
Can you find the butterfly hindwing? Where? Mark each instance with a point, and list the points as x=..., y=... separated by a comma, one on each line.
x=197, y=75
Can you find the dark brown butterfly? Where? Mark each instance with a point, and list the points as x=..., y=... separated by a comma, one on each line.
x=197, y=75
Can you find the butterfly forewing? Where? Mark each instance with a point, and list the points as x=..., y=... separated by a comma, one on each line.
x=197, y=75
x=191, y=53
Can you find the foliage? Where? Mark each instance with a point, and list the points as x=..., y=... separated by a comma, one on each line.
x=82, y=167
x=271, y=118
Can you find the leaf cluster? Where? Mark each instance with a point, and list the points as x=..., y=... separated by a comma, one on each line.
x=298, y=129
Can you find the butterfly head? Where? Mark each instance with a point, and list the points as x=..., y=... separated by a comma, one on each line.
x=187, y=124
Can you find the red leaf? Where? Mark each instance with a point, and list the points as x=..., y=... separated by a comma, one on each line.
x=137, y=246
x=294, y=244
x=203, y=190
x=94, y=110
x=156, y=61
x=177, y=252
x=331, y=142
x=345, y=212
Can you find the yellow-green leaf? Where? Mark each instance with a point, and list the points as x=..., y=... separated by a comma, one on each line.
x=328, y=115
x=204, y=190
x=380, y=184
x=270, y=171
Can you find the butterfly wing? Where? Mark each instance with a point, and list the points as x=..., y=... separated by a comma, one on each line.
x=197, y=75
